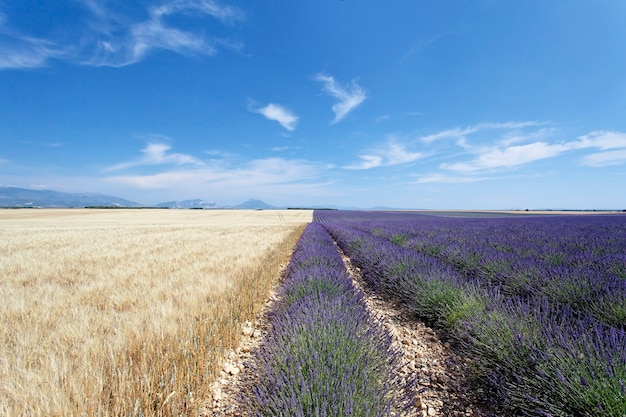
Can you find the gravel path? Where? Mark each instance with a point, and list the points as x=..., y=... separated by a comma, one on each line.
x=437, y=371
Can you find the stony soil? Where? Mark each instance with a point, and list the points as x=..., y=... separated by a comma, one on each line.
x=440, y=375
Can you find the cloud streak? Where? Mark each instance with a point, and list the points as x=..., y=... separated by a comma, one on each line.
x=109, y=37
x=392, y=154
x=182, y=170
x=503, y=155
x=256, y=172
x=279, y=114
x=510, y=157
x=448, y=179
x=18, y=51
x=514, y=147
x=460, y=134
x=349, y=97
x=613, y=145
x=127, y=45
x=157, y=154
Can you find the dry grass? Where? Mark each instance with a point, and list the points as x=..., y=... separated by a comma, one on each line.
x=128, y=312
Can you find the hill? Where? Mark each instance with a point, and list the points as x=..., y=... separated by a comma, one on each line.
x=24, y=197
x=253, y=204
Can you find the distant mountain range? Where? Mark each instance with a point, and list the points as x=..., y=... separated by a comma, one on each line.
x=24, y=197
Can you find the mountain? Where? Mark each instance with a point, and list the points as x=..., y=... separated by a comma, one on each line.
x=253, y=204
x=24, y=197
x=188, y=204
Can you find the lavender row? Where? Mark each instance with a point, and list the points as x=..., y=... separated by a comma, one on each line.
x=324, y=354
x=575, y=260
x=534, y=356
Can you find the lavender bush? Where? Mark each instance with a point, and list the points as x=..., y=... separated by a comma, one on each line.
x=324, y=355
x=432, y=290
x=536, y=303
x=575, y=260
x=539, y=359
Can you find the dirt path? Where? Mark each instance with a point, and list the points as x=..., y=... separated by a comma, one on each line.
x=438, y=372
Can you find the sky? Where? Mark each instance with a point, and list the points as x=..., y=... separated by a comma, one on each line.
x=447, y=104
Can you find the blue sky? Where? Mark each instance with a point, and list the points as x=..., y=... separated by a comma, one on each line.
x=466, y=104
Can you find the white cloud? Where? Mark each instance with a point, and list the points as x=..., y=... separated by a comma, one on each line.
x=448, y=179
x=156, y=154
x=128, y=45
x=349, y=98
x=603, y=140
x=489, y=148
x=461, y=133
x=109, y=37
x=29, y=52
x=510, y=156
x=392, y=154
x=216, y=153
x=257, y=172
x=367, y=162
x=603, y=159
x=612, y=142
x=227, y=14
x=22, y=51
x=154, y=34
x=280, y=114
x=221, y=173
x=507, y=153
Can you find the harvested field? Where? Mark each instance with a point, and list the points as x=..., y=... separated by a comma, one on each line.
x=129, y=312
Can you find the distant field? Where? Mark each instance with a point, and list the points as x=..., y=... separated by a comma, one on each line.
x=508, y=213
x=127, y=312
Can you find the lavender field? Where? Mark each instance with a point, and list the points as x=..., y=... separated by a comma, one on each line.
x=536, y=303
x=324, y=355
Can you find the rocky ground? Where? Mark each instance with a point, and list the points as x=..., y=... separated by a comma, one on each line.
x=439, y=373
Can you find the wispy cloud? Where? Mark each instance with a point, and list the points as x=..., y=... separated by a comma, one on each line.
x=255, y=172
x=459, y=134
x=157, y=154
x=216, y=153
x=111, y=37
x=506, y=154
x=510, y=157
x=349, y=97
x=612, y=143
x=515, y=145
x=603, y=140
x=19, y=51
x=438, y=178
x=279, y=114
x=393, y=153
x=221, y=171
x=122, y=45
x=604, y=159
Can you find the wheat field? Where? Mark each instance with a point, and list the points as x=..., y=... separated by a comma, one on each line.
x=129, y=312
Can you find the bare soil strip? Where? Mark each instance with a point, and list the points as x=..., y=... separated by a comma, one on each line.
x=438, y=374
x=437, y=371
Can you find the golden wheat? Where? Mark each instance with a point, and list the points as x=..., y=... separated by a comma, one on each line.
x=129, y=312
